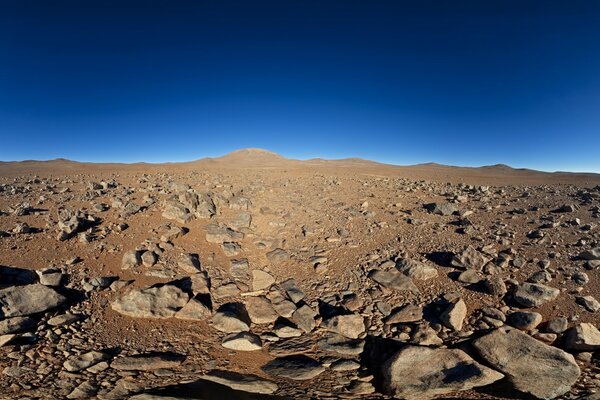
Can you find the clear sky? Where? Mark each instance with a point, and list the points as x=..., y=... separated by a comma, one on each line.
x=454, y=82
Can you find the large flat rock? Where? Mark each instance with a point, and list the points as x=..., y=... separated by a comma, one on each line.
x=531, y=366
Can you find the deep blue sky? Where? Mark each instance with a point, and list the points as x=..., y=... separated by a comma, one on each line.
x=455, y=82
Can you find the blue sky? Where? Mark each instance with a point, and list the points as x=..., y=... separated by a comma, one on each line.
x=453, y=82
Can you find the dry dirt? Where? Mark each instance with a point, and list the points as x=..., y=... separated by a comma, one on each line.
x=334, y=221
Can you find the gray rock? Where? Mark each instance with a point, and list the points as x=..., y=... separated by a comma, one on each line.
x=454, y=315
x=242, y=341
x=16, y=325
x=304, y=317
x=416, y=269
x=278, y=256
x=339, y=344
x=417, y=372
x=154, y=302
x=557, y=325
x=189, y=263
x=592, y=254
x=393, y=280
x=444, y=209
x=469, y=258
x=149, y=258
x=408, y=313
x=86, y=360
x=231, y=318
x=244, y=383
x=131, y=259
x=297, y=367
x=589, y=303
x=495, y=286
x=16, y=301
x=194, y=310
x=350, y=326
x=292, y=290
x=530, y=365
x=147, y=362
x=524, y=320
x=261, y=280
x=260, y=310
x=583, y=337
x=534, y=294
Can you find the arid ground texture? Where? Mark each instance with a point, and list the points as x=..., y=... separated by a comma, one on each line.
x=252, y=276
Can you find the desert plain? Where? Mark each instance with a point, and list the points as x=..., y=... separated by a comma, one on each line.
x=253, y=276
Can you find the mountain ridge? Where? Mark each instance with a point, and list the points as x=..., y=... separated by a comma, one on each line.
x=258, y=157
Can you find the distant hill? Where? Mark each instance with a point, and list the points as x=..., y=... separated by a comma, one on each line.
x=253, y=158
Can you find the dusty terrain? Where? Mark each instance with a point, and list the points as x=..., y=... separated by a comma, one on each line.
x=253, y=276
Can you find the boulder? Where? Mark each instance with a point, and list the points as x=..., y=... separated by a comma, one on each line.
x=417, y=372
x=17, y=301
x=154, y=302
x=530, y=365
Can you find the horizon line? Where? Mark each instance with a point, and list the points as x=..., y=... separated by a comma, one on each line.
x=499, y=164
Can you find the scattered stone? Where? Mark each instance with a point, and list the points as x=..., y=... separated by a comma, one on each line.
x=244, y=383
x=231, y=318
x=147, y=362
x=583, y=337
x=351, y=326
x=86, y=360
x=454, y=315
x=297, y=367
x=534, y=294
x=261, y=280
x=524, y=320
x=242, y=341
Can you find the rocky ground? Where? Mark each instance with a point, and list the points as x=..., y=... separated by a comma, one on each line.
x=256, y=277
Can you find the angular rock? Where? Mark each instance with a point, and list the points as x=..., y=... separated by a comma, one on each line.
x=350, y=326
x=592, y=254
x=86, y=360
x=393, y=280
x=194, y=310
x=244, y=383
x=589, y=303
x=147, y=362
x=530, y=365
x=242, y=341
x=304, y=317
x=16, y=325
x=231, y=318
x=297, y=367
x=534, y=294
x=583, y=337
x=454, y=315
x=154, y=302
x=16, y=301
x=416, y=269
x=278, y=256
x=260, y=310
x=408, y=313
x=417, y=372
x=524, y=320
x=444, y=209
x=261, y=280
x=469, y=258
